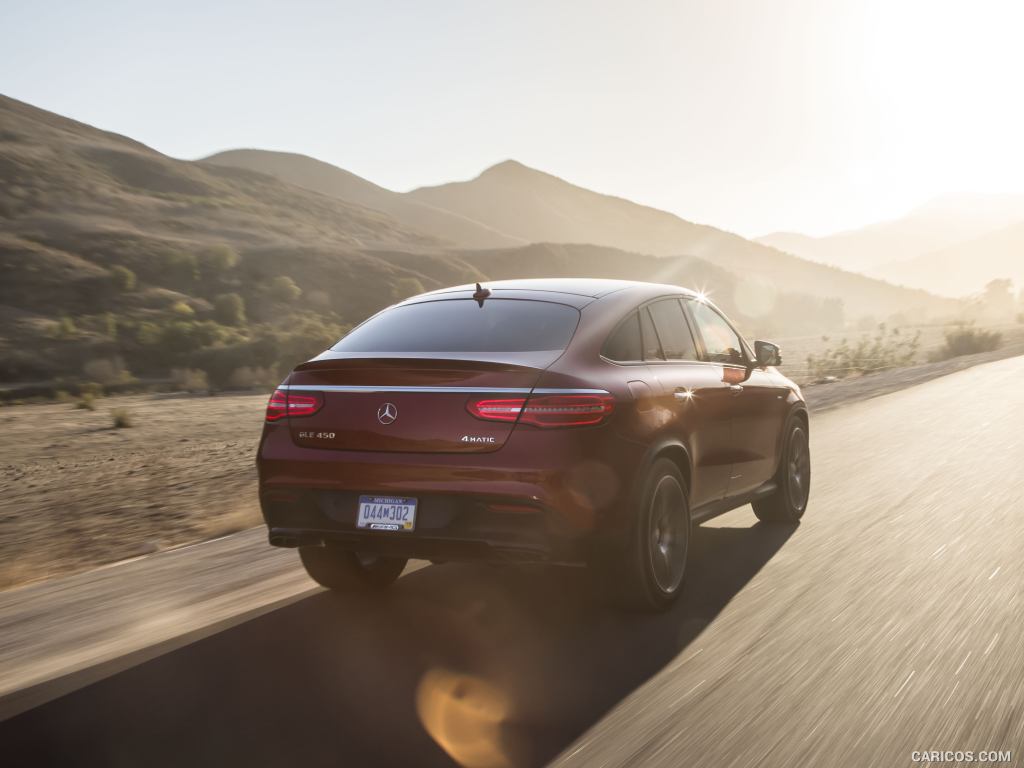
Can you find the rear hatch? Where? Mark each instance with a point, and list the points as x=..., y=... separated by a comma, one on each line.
x=402, y=380
x=405, y=405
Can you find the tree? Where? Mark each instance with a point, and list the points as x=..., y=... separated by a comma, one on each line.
x=404, y=287
x=283, y=288
x=219, y=259
x=182, y=309
x=66, y=328
x=229, y=309
x=998, y=297
x=124, y=278
x=180, y=268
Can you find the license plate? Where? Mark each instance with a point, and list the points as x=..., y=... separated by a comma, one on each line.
x=386, y=513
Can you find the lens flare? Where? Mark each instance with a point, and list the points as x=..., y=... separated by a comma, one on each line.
x=464, y=715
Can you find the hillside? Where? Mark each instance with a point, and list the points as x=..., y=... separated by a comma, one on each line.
x=755, y=306
x=523, y=205
x=113, y=252
x=327, y=179
x=965, y=268
x=940, y=224
x=539, y=207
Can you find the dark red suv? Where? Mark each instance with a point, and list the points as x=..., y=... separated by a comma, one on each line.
x=567, y=421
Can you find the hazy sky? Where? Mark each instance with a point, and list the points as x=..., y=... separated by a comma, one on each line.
x=753, y=115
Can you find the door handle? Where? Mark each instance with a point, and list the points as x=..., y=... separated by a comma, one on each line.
x=684, y=394
x=735, y=388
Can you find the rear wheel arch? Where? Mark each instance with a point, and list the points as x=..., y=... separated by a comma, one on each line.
x=671, y=449
x=677, y=454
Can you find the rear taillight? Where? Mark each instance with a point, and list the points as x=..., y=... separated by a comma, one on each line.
x=277, y=408
x=286, y=403
x=545, y=410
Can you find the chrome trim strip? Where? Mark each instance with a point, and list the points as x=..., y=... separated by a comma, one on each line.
x=455, y=390
x=570, y=391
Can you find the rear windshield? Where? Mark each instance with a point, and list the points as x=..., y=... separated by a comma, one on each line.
x=460, y=325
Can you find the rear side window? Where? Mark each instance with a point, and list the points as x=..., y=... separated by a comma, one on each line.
x=652, y=347
x=624, y=343
x=460, y=325
x=673, y=330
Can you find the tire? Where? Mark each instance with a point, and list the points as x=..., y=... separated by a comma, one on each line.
x=646, y=573
x=793, y=478
x=344, y=571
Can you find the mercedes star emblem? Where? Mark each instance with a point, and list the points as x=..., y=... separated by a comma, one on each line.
x=387, y=413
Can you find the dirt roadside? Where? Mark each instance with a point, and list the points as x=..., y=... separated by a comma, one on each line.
x=76, y=493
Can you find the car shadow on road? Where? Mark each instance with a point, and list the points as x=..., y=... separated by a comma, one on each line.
x=459, y=664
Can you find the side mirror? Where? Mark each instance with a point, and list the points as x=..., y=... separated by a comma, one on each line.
x=767, y=354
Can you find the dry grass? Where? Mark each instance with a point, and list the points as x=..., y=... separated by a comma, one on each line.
x=122, y=418
x=80, y=494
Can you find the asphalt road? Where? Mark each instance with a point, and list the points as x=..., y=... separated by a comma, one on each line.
x=890, y=620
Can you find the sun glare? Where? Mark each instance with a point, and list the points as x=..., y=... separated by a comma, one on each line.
x=942, y=82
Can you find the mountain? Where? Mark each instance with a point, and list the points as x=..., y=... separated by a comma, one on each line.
x=117, y=258
x=62, y=176
x=966, y=267
x=112, y=251
x=327, y=179
x=523, y=205
x=939, y=224
x=538, y=207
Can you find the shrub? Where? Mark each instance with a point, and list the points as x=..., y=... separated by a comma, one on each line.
x=109, y=321
x=124, y=278
x=229, y=309
x=887, y=349
x=283, y=288
x=247, y=377
x=190, y=380
x=404, y=287
x=91, y=389
x=218, y=259
x=66, y=328
x=148, y=334
x=965, y=339
x=182, y=309
x=180, y=268
x=105, y=370
x=121, y=418
x=87, y=402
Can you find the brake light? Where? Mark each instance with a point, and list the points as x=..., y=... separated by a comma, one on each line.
x=277, y=408
x=545, y=410
x=286, y=403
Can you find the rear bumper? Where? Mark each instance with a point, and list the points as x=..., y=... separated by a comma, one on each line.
x=448, y=527
x=540, y=498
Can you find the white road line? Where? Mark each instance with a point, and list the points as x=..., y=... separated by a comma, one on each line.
x=698, y=685
x=962, y=663
x=692, y=655
x=951, y=693
x=904, y=684
x=994, y=573
x=939, y=550
x=990, y=645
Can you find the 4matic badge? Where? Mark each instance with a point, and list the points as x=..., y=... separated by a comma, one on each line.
x=478, y=439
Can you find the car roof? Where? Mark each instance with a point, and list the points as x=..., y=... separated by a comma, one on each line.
x=569, y=289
